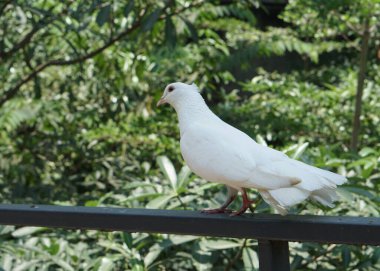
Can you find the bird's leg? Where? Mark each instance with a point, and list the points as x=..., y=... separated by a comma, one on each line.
x=223, y=209
x=246, y=203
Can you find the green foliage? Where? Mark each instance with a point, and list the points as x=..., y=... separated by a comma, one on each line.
x=83, y=130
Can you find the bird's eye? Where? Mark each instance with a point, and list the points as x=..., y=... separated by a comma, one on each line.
x=171, y=88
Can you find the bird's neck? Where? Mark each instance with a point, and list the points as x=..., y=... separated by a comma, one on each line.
x=192, y=110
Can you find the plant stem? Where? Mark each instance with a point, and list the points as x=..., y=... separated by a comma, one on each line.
x=181, y=202
x=237, y=256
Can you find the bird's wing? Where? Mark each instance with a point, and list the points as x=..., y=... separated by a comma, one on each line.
x=267, y=173
x=221, y=153
x=275, y=165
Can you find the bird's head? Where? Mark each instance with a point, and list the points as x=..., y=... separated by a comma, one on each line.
x=175, y=93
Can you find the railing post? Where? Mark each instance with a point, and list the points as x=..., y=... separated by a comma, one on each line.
x=274, y=255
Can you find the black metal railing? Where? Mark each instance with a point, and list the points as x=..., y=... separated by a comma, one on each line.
x=273, y=232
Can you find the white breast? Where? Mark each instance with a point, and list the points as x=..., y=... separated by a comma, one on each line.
x=213, y=157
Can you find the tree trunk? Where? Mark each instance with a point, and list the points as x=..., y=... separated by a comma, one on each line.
x=360, y=86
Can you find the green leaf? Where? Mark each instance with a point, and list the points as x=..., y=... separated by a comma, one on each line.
x=300, y=150
x=359, y=191
x=366, y=151
x=180, y=239
x=26, y=265
x=128, y=239
x=153, y=253
x=6, y=229
x=150, y=20
x=91, y=203
x=157, y=248
x=168, y=170
x=137, y=265
x=20, y=232
x=106, y=264
x=346, y=256
x=170, y=33
x=250, y=259
x=376, y=256
x=345, y=194
x=65, y=265
x=103, y=15
x=219, y=244
x=53, y=249
x=159, y=201
x=128, y=8
x=6, y=262
x=261, y=140
x=297, y=260
x=184, y=177
x=192, y=29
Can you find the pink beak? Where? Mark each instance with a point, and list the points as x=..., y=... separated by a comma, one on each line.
x=161, y=101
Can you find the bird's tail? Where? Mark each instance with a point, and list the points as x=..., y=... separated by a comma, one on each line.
x=316, y=183
x=281, y=199
x=325, y=196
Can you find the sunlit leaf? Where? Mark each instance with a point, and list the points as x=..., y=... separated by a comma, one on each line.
x=160, y=201
x=106, y=264
x=250, y=259
x=261, y=140
x=167, y=168
x=25, y=266
x=23, y=231
x=184, y=177
x=219, y=244
x=300, y=150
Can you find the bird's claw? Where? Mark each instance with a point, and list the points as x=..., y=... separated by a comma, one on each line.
x=244, y=209
x=235, y=213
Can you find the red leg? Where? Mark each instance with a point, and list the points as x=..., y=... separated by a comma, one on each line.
x=223, y=208
x=246, y=203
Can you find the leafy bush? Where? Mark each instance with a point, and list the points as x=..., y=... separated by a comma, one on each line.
x=78, y=124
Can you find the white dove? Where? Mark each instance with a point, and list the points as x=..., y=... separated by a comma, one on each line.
x=220, y=153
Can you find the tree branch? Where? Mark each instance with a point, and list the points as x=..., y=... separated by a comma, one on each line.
x=10, y=93
x=59, y=62
x=6, y=54
x=360, y=86
x=28, y=37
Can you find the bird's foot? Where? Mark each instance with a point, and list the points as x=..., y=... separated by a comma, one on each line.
x=243, y=209
x=216, y=211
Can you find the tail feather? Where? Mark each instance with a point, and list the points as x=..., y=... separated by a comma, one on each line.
x=332, y=178
x=316, y=183
x=289, y=172
x=289, y=196
x=272, y=202
x=281, y=199
x=325, y=196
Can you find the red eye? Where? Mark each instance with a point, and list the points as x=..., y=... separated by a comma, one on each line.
x=171, y=88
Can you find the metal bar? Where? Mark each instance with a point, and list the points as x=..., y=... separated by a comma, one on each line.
x=274, y=255
x=324, y=229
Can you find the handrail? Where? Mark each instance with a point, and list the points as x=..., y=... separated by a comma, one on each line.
x=273, y=231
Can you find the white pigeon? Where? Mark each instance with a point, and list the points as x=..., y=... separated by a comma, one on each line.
x=220, y=153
